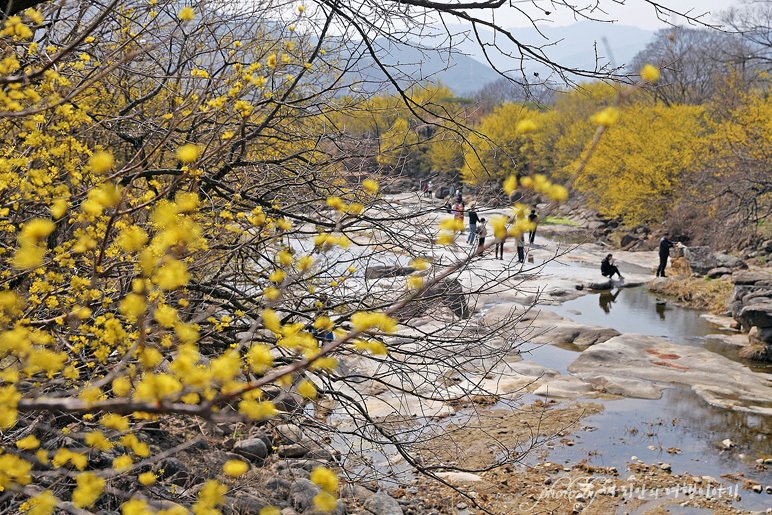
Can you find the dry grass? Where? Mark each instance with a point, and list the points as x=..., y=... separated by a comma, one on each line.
x=698, y=293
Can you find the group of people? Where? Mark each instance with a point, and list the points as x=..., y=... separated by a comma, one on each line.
x=478, y=229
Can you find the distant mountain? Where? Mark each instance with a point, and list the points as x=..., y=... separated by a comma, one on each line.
x=410, y=64
x=573, y=46
x=465, y=69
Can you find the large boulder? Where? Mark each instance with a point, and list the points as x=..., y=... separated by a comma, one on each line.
x=729, y=261
x=751, y=305
x=756, y=315
x=700, y=259
x=381, y=503
x=447, y=292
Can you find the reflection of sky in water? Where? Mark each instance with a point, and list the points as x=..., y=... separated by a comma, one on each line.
x=680, y=419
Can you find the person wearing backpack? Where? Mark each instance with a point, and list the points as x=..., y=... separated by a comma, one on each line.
x=482, y=232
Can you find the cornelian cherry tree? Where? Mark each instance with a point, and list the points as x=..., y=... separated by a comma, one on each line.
x=184, y=231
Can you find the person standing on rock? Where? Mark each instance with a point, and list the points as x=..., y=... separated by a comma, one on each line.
x=473, y=219
x=520, y=244
x=482, y=232
x=429, y=189
x=608, y=268
x=532, y=218
x=664, y=252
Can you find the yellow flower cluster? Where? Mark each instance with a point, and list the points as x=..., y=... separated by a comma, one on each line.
x=606, y=118
x=327, y=480
x=364, y=321
x=31, y=251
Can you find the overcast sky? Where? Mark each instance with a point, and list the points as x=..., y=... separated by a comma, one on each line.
x=633, y=12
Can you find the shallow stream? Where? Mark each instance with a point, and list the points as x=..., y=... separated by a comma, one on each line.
x=680, y=419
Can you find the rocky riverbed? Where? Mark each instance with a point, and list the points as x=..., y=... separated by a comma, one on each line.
x=611, y=365
x=554, y=409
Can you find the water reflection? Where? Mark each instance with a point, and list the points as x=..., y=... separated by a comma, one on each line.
x=680, y=421
x=606, y=298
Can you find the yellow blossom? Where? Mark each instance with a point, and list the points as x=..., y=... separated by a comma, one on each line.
x=415, y=282
x=325, y=479
x=235, y=468
x=166, y=315
x=649, y=73
x=307, y=390
x=186, y=14
x=510, y=184
x=363, y=321
x=114, y=421
x=90, y=487
x=325, y=502
x=371, y=186
x=147, y=478
x=525, y=126
x=28, y=443
x=101, y=162
x=188, y=153
x=606, y=118
x=259, y=358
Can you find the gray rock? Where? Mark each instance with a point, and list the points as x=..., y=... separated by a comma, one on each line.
x=356, y=491
x=294, y=450
x=718, y=272
x=279, y=487
x=596, y=225
x=254, y=449
x=377, y=272
x=717, y=379
x=625, y=386
x=305, y=449
x=577, y=334
x=301, y=495
x=627, y=239
x=729, y=261
x=246, y=504
x=173, y=469
x=381, y=503
x=288, y=434
x=700, y=259
x=756, y=314
x=447, y=292
x=745, y=277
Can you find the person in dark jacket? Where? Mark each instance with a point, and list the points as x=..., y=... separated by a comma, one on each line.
x=608, y=268
x=664, y=252
x=533, y=217
x=473, y=219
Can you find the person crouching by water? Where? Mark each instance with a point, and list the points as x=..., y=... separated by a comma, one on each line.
x=608, y=268
x=482, y=232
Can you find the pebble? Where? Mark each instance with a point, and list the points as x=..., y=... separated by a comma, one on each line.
x=768, y=489
x=665, y=466
x=728, y=444
x=634, y=458
x=757, y=488
x=768, y=461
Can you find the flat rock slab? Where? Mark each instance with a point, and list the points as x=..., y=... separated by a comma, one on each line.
x=567, y=387
x=624, y=386
x=718, y=380
x=566, y=331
